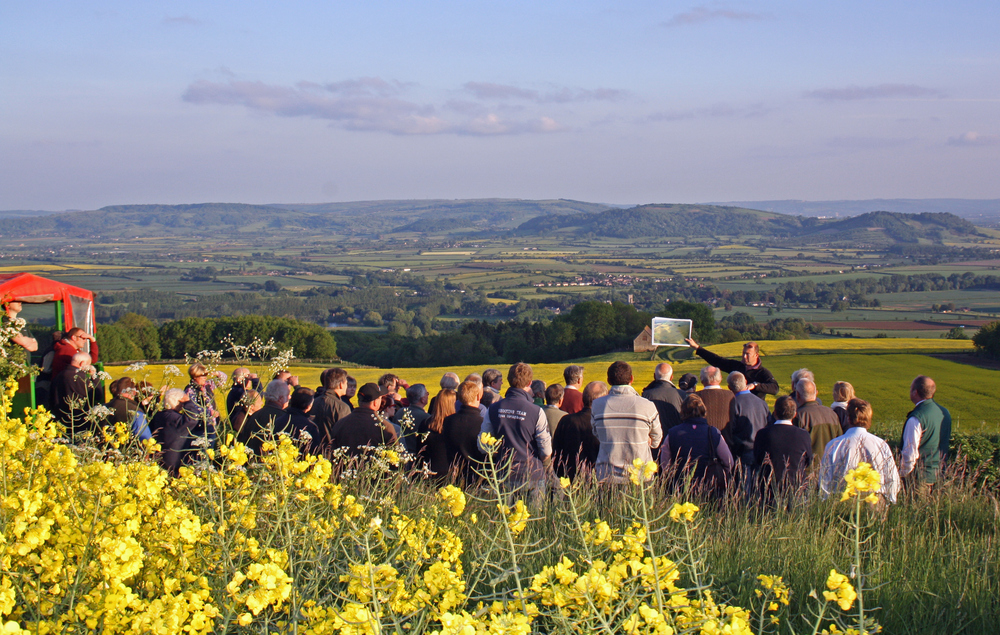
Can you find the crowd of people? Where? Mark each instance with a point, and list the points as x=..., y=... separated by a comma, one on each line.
x=714, y=438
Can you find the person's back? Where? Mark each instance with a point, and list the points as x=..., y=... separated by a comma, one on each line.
x=514, y=418
x=627, y=426
x=264, y=425
x=575, y=446
x=689, y=451
x=521, y=427
x=782, y=451
x=364, y=427
x=926, y=433
x=715, y=397
x=665, y=396
x=748, y=415
x=823, y=426
x=412, y=422
x=460, y=432
x=717, y=402
x=854, y=447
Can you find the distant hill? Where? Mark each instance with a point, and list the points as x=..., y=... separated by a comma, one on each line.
x=488, y=217
x=982, y=212
x=360, y=218
x=888, y=228
x=876, y=229
x=646, y=221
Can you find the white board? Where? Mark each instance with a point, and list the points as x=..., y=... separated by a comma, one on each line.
x=670, y=331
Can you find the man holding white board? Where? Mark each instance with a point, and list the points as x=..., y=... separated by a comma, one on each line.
x=760, y=381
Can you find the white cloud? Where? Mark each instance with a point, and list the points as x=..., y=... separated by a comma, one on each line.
x=559, y=95
x=882, y=91
x=974, y=139
x=714, y=111
x=698, y=15
x=367, y=104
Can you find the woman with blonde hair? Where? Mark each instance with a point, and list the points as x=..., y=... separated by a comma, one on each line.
x=843, y=392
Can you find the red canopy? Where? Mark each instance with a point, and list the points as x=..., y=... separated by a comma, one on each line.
x=78, y=304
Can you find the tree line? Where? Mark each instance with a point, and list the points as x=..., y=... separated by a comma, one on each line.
x=135, y=337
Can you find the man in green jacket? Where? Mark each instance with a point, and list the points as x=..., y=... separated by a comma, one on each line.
x=926, y=435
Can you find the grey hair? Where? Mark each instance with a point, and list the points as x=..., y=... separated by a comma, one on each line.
x=711, y=376
x=277, y=391
x=416, y=392
x=663, y=371
x=573, y=374
x=491, y=375
x=806, y=389
x=737, y=381
x=475, y=378
x=803, y=373
x=538, y=388
x=172, y=398
x=450, y=381
x=239, y=374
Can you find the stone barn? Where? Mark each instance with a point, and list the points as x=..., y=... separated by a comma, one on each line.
x=643, y=343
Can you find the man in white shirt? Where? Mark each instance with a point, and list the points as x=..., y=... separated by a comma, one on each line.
x=855, y=446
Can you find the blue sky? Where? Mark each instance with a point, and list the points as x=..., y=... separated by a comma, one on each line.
x=619, y=102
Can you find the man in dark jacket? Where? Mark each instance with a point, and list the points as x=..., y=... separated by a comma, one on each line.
x=748, y=415
x=461, y=433
x=364, y=426
x=782, y=451
x=821, y=422
x=270, y=421
x=241, y=382
x=70, y=397
x=760, y=381
x=306, y=433
x=575, y=446
x=665, y=396
x=173, y=428
x=329, y=407
x=411, y=420
x=522, y=429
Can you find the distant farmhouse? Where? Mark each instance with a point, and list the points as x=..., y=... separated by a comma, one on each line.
x=643, y=343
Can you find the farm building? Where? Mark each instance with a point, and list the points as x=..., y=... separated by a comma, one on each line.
x=643, y=343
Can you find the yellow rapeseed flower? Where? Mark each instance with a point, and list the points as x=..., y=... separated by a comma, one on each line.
x=454, y=498
x=517, y=518
x=683, y=511
x=861, y=480
x=840, y=590
x=641, y=471
x=489, y=442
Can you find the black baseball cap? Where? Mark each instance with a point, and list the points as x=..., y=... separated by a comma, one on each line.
x=370, y=392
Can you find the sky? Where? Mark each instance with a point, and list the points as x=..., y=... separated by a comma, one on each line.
x=114, y=102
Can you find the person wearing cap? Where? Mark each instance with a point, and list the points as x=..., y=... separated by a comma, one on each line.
x=365, y=426
x=760, y=381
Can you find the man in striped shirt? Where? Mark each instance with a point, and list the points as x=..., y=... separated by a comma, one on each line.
x=627, y=426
